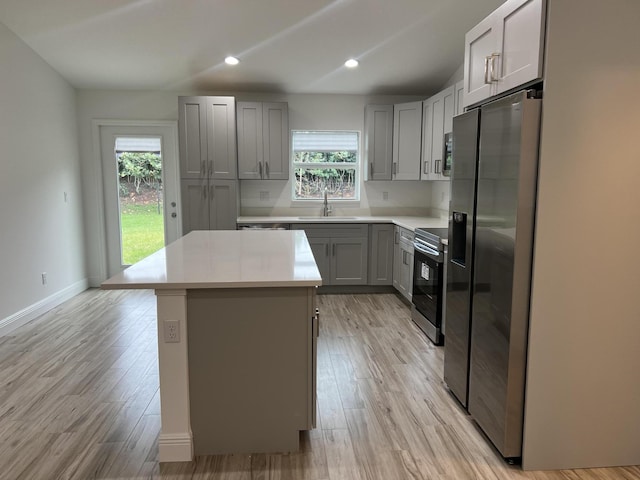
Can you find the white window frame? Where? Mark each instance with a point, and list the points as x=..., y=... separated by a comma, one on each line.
x=357, y=166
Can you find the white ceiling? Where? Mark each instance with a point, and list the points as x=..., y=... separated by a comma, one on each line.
x=292, y=46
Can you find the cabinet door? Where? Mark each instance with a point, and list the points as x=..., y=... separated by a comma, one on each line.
x=442, y=122
x=275, y=140
x=381, y=254
x=406, y=270
x=222, y=159
x=195, y=205
x=459, y=99
x=397, y=258
x=349, y=261
x=223, y=198
x=407, y=139
x=520, y=26
x=480, y=43
x=249, y=140
x=192, y=130
x=379, y=141
x=320, y=248
x=427, y=138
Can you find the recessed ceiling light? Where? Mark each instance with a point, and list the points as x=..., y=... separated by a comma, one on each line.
x=351, y=63
x=231, y=60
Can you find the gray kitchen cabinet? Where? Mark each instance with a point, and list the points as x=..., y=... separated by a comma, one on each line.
x=340, y=251
x=378, y=127
x=320, y=247
x=208, y=163
x=505, y=50
x=207, y=132
x=407, y=137
x=403, y=262
x=381, y=252
x=209, y=205
x=263, y=140
x=459, y=98
x=438, y=112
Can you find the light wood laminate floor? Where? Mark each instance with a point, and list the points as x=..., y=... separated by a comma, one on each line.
x=79, y=400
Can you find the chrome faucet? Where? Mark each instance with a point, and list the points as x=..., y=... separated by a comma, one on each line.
x=326, y=211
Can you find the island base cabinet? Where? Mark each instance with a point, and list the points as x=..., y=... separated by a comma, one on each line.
x=252, y=363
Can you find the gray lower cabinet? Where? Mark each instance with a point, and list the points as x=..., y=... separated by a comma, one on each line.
x=403, y=262
x=340, y=251
x=209, y=204
x=381, y=251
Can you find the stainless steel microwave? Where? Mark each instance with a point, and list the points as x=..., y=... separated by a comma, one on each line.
x=446, y=155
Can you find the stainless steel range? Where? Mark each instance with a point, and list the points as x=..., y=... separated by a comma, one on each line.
x=428, y=271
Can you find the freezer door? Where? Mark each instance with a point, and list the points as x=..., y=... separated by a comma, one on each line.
x=507, y=177
x=459, y=266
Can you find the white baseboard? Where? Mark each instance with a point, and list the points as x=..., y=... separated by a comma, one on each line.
x=25, y=315
x=175, y=447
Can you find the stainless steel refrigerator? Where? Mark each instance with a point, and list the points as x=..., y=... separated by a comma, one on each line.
x=491, y=222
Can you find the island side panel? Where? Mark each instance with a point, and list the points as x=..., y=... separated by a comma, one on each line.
x=251, y=362
x=175, y=443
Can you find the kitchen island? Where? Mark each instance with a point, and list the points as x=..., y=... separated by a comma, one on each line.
x=236, y=340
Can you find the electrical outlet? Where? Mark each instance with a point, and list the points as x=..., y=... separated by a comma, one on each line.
x=44, y=278
x=171, y=331
x=385, y=195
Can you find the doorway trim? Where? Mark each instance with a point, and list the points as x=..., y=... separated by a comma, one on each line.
x=96, y=123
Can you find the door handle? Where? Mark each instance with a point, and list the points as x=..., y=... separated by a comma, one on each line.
x=266, y=169
x=260, y=169
x=371, y=169
x=210, y=168
x=203, y=169
x=334, y=250
x=395, y=167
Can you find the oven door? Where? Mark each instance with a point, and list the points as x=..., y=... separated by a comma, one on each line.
x=427, y=285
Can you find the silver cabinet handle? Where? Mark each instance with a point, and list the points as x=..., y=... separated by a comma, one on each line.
x=487, y=59
x=210, y=168
x=334, y=250
x=437, y=166
x=492, y=57
x=266, y=169
x=426, y=166
x=260, y=169
x=395, y=167
x=203, y=169
x=371, y=169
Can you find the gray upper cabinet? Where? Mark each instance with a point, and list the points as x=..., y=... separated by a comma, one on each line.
x=505, y=50
x=207, y=130
x=378, y=127
x=438, y=113
x=381, y=252
x=407, y=136
x=263, y=141
x=192, y=130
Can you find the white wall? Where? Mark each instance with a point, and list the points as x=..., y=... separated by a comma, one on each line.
x=39, y=162
x=305, y=112
x=583, y=380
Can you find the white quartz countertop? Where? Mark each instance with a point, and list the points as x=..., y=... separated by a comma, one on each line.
x=225, y=259
x=410, y=223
